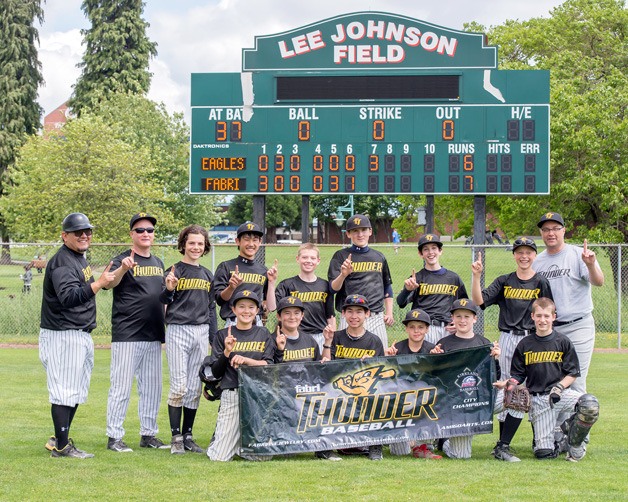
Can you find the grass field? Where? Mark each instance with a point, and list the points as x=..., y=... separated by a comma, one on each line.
x=28, y=472
x=19, y=314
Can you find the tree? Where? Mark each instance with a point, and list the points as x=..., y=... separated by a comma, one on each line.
x=20, y=76
x=143, y=124
x=88, y=169
x=117, y=53
x=281, y=211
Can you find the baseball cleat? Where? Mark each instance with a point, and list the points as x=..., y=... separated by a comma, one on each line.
x=190, y=445
x=153, y=442
x=117, y=445
x=51, y=443
x=70, y=451
x=422, y=451
x=327, y=455
x=503, y=452
x=176, y=446
x=375, y=452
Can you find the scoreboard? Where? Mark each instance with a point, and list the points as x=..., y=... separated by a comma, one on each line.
x=445, y=131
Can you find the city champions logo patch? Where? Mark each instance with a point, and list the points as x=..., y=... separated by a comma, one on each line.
x=468, y=382
x=360, y=406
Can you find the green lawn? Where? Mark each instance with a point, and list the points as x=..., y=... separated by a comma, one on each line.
x=28, y=472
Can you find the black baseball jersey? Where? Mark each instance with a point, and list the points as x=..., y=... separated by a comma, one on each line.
x=453, y=342
x=192, y=301
x=317, y=298
x=370, y=277
x=137, y=314
x=68, y=301
x=255, y=343
x=253, y=277
x=344, y=346
x=403, y=347
x=301, y=348
x=515, y=297
x=436, y=293
x=544, y=361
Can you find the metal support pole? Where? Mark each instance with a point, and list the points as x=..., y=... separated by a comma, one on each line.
x=305, y=218
x=429, y=214
x=479, y=228
x=259, y=217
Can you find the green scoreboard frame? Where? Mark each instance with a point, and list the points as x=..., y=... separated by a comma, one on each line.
x=370, y=103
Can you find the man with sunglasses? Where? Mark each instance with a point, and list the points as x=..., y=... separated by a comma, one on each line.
x=570, y=271
x=137, y=332
x=68, y=316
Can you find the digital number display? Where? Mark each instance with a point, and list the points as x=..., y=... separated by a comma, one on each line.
x=371, y=149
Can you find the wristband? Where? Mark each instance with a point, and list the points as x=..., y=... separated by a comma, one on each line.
x=327, y=346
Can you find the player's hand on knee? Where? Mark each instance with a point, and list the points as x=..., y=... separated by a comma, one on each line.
x=556, y=394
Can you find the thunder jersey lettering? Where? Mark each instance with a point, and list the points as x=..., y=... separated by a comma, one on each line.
x=436, y=293
x=515, y=297
x=302, y=348
x=192, y=301
x=544, y=360
x=344, y=346
x=317, y=298
x=253, y=277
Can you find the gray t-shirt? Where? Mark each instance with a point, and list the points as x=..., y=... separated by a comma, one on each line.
x=569, y=279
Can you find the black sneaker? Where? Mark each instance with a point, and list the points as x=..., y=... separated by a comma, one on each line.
x=190, y=445
x=117, y=445
x=375, y=452
x=327, y=455
x=70, y=451
x=153, y=442
x=503, y=452
x=51, y=444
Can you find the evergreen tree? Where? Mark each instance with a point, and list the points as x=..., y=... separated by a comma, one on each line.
x=20, y=76
x=117, y=52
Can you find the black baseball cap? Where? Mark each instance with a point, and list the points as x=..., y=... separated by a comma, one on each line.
x=464, y=304
x=417, y=315
x=430, y=239
x=245, y=294
x=358, y=221
x=551, y=217
x=290, y=301
x=249, y=228
x=523, y=241
x=141, y=216
x=356, y=301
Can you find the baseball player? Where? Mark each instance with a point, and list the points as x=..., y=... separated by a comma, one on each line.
x=433, y=289
x=242, y=343
x=570, y=271
x=137, y=332
x=314, y=292
x=364, y=271
x=514, y=293
x=548, y=363
x=244, y=273
x=417, y=323
x=354, y=342
x=464, y=315
x=191, y=325
x=68, y=316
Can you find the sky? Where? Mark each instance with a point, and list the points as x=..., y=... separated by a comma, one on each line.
x=202, y=36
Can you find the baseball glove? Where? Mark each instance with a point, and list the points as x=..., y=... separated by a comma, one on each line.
x=517, y=398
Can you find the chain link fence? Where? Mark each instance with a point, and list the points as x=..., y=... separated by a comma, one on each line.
x=20, y=308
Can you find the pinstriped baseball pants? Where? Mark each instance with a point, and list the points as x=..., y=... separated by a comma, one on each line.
x=143, y=361
x=68, y=358
x=186, y=347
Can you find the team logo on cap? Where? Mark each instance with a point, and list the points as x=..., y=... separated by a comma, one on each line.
x=290, y=300
x=463, y=302
x=357, y=299
x=250, y=226
x=416, y=314
x=429, y=237
x=357, y=221
x=246, y=292
x=141, y=215
x=549, y=215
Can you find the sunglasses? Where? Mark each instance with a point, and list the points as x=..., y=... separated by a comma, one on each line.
x=141, y=230
x=79, y=233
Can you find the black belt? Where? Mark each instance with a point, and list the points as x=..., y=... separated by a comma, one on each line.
x=544, y=393
x=521, y=332
x=565, y=323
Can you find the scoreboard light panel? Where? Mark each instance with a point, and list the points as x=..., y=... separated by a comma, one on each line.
x=371, y=149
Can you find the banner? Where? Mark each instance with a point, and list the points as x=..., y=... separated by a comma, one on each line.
x=312, y=406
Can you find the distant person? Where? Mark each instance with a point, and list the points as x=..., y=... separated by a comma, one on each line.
x=27, y=277
x=396, y=238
